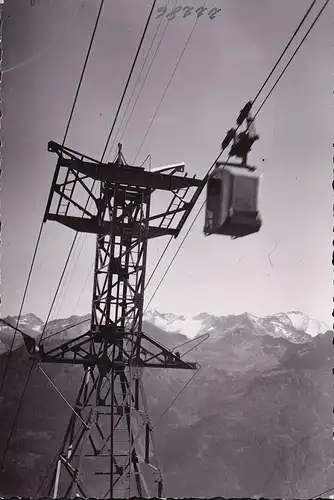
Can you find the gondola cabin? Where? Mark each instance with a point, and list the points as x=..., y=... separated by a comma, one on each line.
x=232, y=201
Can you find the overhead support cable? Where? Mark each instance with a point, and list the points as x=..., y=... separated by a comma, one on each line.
x=326, y=3
x=137, y=81
x=21, y=308
x=292, y=57
x=182, y=242
x=255, y=98
x=62, y=396
x=4, y=453
x=118, y=111
x=83, y=71
x=167, y=271
x=129, y=78
x=286, y=48
x=222, y=151
x=167, y=87
x=101, y=160
x=155, y=53
x=176, y=397
x=79, y=88
x=38, y=242
x=319, y=495
x=117, y=114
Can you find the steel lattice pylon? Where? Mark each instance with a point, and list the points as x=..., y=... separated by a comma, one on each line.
x=103, y=454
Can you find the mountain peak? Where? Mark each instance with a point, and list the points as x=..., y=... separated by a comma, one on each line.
x=173, y=323
x=295, y=326
x=303, y=322
x=25, y=319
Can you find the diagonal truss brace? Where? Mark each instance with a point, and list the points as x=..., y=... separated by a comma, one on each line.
x=77, y=352
x=77, y=170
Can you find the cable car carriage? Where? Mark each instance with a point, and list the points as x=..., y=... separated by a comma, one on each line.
x=232, y=201
x=233, y=188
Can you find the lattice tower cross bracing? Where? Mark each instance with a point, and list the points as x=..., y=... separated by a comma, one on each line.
x=107, y=450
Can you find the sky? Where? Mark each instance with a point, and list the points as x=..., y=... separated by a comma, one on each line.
x=284, y=267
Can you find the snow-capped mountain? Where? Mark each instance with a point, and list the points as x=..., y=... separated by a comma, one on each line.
x=256, y=417
x=62, y=329
x=303, y=322
x=190, y=327
x=294, y=326
x=29, y=323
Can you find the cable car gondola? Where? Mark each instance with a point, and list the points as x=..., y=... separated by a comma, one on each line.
x=233, y=188
x=232, y=201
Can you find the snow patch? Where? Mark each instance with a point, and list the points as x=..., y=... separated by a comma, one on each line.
x=190, y=327
x=278, y=328
x=294, y=326
x=309, y=325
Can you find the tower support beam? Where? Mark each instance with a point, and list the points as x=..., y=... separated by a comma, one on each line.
x=107, y=450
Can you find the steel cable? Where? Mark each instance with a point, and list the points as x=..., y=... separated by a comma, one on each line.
x=38, y=241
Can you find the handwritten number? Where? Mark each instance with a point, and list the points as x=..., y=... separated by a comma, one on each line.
x=213, y=12
x=200, y=11
x=187, y=10
x=172, y=14
x=162, y=10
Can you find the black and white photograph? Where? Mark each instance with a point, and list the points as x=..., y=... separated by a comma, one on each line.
x=166, y=325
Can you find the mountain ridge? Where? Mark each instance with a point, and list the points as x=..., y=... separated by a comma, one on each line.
x=256, y=420
x=294, y=325
x=295, y=321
